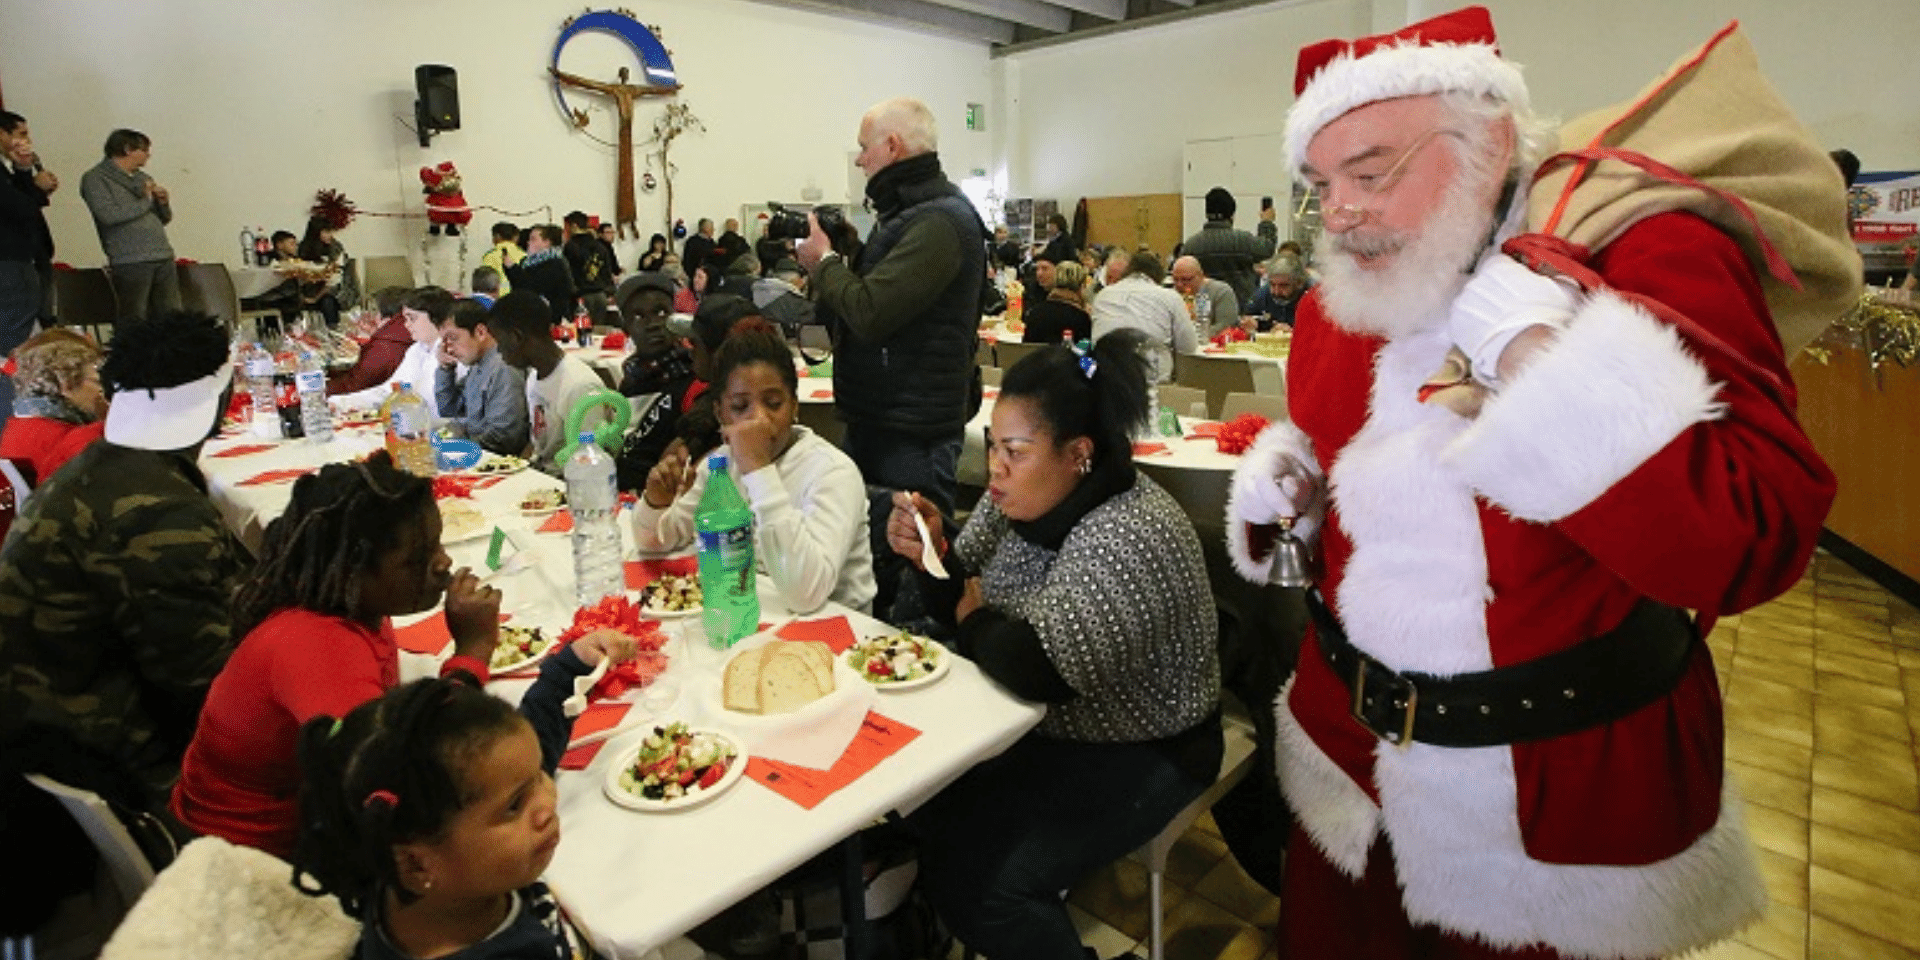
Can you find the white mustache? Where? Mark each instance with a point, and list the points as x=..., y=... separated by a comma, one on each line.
x=1367, y=246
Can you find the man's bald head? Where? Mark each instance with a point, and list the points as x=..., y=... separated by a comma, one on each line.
x=1187, y=275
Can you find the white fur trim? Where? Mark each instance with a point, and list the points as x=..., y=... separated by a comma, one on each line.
x=1406, y=69
x=222, y=900
x=1610, y=392
x=1452, y=817
x=1278, y=439
x=1335, y=812
x=1415, y=587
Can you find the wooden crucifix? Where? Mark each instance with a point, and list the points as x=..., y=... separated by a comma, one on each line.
x=626, y=213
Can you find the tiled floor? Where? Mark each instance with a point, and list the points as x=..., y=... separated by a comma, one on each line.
x=1823, y=714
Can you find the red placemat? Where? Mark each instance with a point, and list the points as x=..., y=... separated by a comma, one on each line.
x=642, y=572
x=990, y=392
x=273, y=476
x=1148, y=449
x=878, y=739
x=599, y=716
x=1205, y=428
x=835, y=632
x=243, y=450
x=560, y=522
x=821, y=394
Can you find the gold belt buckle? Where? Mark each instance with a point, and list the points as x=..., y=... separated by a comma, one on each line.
x=1359, y=698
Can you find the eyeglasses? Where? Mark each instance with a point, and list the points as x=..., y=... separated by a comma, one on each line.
x=1372, y=185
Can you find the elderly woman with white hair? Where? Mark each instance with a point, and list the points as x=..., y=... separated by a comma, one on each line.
x=59, y=405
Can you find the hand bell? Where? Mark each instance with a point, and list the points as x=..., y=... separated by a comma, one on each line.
x=1292, y=560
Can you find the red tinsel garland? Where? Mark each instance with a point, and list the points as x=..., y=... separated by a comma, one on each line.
x=1231, y=335
x=1237, y=435
x=334, y=208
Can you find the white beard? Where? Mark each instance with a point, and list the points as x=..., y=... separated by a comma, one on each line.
x=1413, y=293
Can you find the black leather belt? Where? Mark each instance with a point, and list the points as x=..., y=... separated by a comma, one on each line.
x=1594, y=682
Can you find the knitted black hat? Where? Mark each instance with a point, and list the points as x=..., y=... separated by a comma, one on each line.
x=1220, y=204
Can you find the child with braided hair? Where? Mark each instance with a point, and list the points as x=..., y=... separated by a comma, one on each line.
x=359, y=544
x=431, y=813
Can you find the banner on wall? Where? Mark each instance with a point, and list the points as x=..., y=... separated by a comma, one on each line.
x=1885, y=208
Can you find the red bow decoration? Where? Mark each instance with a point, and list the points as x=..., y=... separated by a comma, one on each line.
x=1237, y=434
x=1466, y=25
x=622, y=614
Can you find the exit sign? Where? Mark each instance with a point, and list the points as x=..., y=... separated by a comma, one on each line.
x=976, y=116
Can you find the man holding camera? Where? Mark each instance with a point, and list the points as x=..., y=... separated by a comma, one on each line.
x=908, y=308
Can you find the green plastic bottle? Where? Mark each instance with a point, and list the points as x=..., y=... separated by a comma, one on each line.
x=724, y=525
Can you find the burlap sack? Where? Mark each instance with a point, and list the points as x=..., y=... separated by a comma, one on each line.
x=1715, y=117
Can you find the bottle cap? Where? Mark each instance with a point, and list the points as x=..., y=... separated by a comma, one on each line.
x=716, y=462
x=586, y=437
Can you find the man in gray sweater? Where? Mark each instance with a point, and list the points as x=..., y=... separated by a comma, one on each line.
x=130, y=210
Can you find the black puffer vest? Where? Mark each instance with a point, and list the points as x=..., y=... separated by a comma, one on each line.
x=920, y=380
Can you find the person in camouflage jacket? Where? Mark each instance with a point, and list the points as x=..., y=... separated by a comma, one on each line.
x=116, y=578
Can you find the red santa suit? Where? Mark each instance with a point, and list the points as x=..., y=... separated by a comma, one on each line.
x=1621, y=464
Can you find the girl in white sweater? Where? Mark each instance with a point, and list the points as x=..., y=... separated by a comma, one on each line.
x=809, y=503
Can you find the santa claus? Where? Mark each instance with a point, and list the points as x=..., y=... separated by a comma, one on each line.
x=1529, y=501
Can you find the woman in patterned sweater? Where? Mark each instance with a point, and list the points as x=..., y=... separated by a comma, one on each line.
x=1077, y=583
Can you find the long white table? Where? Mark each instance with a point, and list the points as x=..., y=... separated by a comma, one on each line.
x=637, y=881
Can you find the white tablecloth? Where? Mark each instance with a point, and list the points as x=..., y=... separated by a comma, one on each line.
x=636, y=881
x=254, y=281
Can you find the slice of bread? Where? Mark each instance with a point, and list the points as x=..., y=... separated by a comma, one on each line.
x=819, y=656
x=787, y=680
x=740, y=685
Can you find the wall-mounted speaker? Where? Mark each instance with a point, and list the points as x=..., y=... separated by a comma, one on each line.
x=436, y=106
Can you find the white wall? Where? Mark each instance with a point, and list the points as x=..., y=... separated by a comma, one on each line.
x=1109, y=116
x=253, y=107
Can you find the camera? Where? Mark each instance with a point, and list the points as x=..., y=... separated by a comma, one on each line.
x=784, y=223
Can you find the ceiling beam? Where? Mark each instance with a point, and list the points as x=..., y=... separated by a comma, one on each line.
x=1043, y=16
x=914, y=15
x=1104, y=9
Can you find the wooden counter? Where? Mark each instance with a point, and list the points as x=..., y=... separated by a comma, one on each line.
x=1870, y=434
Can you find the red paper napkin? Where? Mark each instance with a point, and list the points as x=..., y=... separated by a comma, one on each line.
x=879, y=738
x=1148, y=449
x=822, y=394
x=428, y=635
x=243, y=450
x=273, y=476
x=832, y=631
x=990, y=392
x=1205, y=428
x=598, y=717
x=642, y=572
x=561, y=521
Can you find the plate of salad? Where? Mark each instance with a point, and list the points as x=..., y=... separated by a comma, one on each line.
x=900, y=661
x=517, y=647
x=676, y=767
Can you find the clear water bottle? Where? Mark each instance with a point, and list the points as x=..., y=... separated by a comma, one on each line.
x=1203, y=313
x=258, y=364
x=724, y=525
x=593, y=495
x=311, y=377
x=409, y=430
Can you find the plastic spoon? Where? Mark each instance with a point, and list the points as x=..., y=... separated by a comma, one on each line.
x=928, y=559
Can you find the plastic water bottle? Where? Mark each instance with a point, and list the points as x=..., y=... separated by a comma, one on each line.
x=725, y=535
x=593, y=495
x=315, y=417
x=1203, y=313
x=259, y=369
x=409, y=431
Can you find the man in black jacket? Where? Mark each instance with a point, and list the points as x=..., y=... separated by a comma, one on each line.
x=545, y=272
x=23, y=235
x=590, y=263
x=907, y=314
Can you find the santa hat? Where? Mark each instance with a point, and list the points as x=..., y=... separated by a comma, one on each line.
x=1451, y=53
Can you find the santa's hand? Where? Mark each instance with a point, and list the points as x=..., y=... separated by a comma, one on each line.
x=1274, y=485
x=1502, y=300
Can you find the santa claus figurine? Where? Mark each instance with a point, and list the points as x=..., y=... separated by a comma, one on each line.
x=1528, y=501
x=446, y=202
